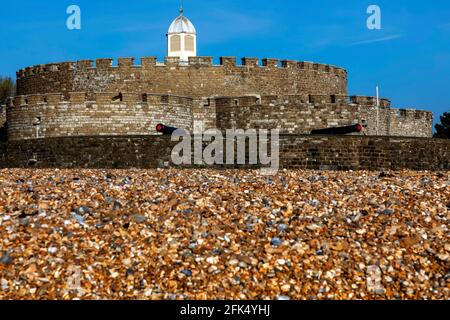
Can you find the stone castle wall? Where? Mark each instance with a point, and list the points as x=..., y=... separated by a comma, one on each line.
x=290, y=114
x=78, y=98
x=41, y=116
x=51, y=115
x=392, y=121
x=302, y=113
x=296, y=152
x=199, y=78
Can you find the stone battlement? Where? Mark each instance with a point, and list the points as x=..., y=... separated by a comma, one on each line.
x=105, y=98
x=122, y=97
x=52, y=115
x=198, y=77
x=298, y=114
x=151, y=62
x=301, y=98
x=369, y=101
x=99, y=98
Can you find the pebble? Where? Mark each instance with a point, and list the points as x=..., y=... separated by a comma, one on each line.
x=79, y=219
x=52, y=250
x=288, y=237
x=24, y=221
x=281, y=262
x=444, y=257
x=139, y=218
x=276, y=242
x=6, y=259
x=212, y=260
x=117, y=205
x=313, y=227
x=129, y=272
x=4, y=284
x=83, y=210
x=285, y=288
x=187, y=273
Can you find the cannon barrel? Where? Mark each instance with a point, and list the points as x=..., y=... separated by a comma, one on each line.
x=166, y=130
x=339, y=130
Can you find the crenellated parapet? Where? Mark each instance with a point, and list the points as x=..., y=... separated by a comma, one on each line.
x=412, y=114
x=293, y=99
x=99, y=98
x=419, y=122
x=392, y=121
x=124, y=113
x=303, y=113
x=127, y=96
x=293, y=114
x=151, y=62
x=106, y=113
x=370, y=101
x=45, y=69
x=197, y=77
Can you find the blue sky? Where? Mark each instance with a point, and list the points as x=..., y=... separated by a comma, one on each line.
x=409, y=57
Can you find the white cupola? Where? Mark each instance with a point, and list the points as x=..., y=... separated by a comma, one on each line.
x=182, y=38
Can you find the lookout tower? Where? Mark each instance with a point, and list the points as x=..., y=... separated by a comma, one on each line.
x=182, y=38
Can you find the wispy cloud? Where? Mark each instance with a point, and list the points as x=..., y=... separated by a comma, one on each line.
x=383, y=39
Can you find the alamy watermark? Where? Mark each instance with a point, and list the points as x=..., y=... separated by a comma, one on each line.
x=374, y=20
x=73, y=283
x=230, y=150
x=74, y=20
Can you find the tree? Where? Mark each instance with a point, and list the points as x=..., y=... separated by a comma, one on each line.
x=7, y=89
x=443, y=128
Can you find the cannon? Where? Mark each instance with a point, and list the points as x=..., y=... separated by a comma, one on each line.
x=165, y=130
x=355, y=128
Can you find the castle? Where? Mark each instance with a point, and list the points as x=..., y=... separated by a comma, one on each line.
x=102, y=115
x=190, y=92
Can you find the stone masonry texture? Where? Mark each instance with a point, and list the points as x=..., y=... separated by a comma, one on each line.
x=296, y=152
x=77, y=114
x=47, y=116
x=199, y=78
x=83, y=99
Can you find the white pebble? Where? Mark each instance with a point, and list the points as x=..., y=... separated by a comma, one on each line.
x=281, y=262
x=52, y=250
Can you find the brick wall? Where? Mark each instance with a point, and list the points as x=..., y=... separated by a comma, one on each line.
x=296, y=152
